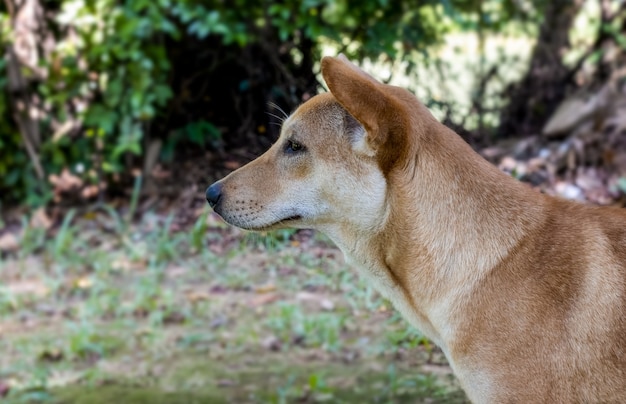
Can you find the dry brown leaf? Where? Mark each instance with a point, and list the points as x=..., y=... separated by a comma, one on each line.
x=442, y=370
x=40, y=220
x=9, y=242
x=65, y=182
x=90, y=191
x=195, y=296
x=264, y=299
x=265, y=288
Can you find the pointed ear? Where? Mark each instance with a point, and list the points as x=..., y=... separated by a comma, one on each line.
x=367, y=100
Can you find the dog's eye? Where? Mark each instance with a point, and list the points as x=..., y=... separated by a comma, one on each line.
x=293, y=147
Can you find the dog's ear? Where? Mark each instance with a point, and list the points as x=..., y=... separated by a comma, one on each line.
x=357, y=92
x=367, y=100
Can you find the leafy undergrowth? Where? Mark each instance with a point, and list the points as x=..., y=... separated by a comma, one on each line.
x=102, y=311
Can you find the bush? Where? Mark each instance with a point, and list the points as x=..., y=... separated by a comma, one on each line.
x=112, y=76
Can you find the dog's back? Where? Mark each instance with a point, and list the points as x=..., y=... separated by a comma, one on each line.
x=549, y=323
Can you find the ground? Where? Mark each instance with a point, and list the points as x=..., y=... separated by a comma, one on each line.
x=110, y=310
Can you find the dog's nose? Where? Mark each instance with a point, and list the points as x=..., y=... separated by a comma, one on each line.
x=214, y=193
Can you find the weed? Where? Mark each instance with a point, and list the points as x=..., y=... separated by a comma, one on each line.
x=33, y=239
x=405, y=336
x=8, y=302
x=85, y=342
x=270, y=241
x=197, y=235
x=295, y=327
x=134, y=200
x=65, y=238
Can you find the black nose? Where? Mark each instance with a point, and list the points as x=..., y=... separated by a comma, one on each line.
x=214, y=193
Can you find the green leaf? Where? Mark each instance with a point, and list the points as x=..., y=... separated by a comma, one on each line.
x=101, y=117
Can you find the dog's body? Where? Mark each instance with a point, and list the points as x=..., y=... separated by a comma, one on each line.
x=525, y=293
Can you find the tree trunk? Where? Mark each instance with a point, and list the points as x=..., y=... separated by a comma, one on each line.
x=536, y=96
x=25, y=51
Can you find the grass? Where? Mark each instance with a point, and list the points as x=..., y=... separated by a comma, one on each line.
x=102, y=309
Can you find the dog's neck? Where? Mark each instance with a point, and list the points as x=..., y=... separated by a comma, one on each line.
x=463, y=217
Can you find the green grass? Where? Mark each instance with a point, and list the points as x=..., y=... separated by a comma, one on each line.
x=102, y=307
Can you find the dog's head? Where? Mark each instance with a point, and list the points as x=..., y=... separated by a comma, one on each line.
x=331, y=163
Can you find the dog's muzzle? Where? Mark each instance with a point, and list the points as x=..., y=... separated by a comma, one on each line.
x=214, y=194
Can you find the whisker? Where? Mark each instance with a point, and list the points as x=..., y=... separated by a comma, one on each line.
x=280, y=118
x=276, y=106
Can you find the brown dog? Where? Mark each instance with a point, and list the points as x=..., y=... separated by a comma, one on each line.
x=525, y=293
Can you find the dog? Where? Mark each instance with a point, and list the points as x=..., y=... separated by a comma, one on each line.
x=525, y=293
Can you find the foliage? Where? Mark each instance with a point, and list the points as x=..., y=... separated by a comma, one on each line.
x=108, y=75
x=116, y=76
x=105, y=78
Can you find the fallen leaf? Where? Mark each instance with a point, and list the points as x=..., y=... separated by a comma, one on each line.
x=440, y=370
x=40, y=220
x=265, y=288
x=65, y=182
x=83, y=283
x=90, y=191
x=9, y=242
x=264, y=299
x=195, y=296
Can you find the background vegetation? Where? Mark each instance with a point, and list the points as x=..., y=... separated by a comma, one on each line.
x=115, y=279
x=102, y=87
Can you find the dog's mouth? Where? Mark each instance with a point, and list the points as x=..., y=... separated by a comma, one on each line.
x=282, y=223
